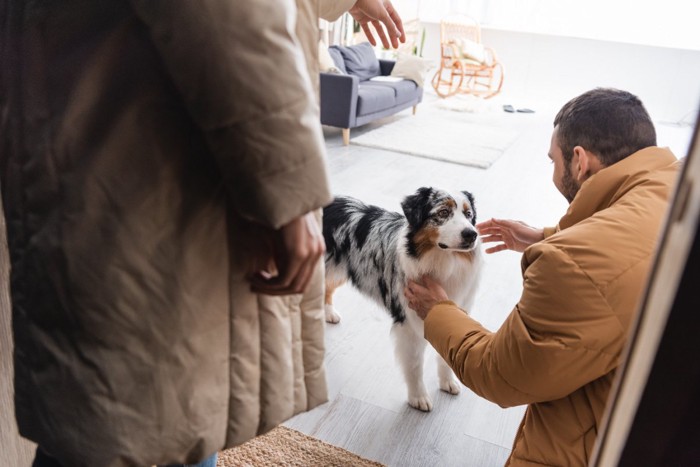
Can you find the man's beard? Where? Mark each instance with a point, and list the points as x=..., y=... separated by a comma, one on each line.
x=569, y=185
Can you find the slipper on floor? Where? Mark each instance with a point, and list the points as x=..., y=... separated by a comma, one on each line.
x=508, y=108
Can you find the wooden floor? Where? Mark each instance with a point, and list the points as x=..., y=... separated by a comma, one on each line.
x=367, y=412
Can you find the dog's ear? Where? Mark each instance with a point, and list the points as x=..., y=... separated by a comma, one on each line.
x=416, y=207
x=470, y=197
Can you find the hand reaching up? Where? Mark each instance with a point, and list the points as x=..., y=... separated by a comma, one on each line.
x=514, y=235
x=379, y=12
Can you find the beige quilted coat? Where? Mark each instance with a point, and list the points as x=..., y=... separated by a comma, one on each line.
x=132, y=135
x=559, y=348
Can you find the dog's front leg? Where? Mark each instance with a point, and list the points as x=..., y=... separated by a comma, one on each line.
x=410, y=348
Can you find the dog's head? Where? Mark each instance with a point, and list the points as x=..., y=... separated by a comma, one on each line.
x=438, y=219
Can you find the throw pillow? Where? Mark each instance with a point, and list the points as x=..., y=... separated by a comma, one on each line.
x=472, y=50
x=411, y=67
x=325, y=61
x=360, y=60
x=334, y=52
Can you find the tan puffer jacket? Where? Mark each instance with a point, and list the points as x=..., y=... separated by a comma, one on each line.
x=132, y=134
x=559, y=348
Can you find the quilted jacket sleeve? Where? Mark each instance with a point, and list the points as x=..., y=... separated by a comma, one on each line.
x=240, y=71
x=560, y=336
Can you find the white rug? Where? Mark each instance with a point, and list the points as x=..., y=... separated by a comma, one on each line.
x=463, y=134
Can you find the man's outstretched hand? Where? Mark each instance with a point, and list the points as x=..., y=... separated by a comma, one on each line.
x=513, y=235
x=379, y=12
x=281, y=262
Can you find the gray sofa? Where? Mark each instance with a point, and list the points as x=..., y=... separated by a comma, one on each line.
x=350, y=99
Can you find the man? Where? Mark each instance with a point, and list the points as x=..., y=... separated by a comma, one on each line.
x=158, y=160
x=559, y=348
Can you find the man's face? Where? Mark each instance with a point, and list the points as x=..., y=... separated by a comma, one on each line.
x=562, y=177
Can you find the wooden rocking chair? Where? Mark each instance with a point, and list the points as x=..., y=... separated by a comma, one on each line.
x=466, y=66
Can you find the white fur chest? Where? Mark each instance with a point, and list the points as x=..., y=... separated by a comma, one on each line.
x=457, y=272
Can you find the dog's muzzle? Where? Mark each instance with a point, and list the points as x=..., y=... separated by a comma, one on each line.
x=468, y=241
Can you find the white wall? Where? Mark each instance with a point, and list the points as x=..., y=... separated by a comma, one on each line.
x=547, y=70
x=665, y=23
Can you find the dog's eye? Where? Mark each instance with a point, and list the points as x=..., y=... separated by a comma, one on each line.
x=443, y=213
x=469, y=214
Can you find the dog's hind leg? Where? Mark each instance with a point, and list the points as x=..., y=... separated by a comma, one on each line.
x=448, y=381
x=332, y=315
x=409, y=352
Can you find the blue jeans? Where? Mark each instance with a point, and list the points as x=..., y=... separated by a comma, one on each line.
x=208, y=462
x=44, y=460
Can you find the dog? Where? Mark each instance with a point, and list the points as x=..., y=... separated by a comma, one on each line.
x=379, y=251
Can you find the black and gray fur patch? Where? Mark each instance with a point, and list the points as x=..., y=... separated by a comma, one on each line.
x=470, y=197
x=361, y=245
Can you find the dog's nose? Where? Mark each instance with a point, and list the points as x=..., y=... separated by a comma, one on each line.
x=468, y=236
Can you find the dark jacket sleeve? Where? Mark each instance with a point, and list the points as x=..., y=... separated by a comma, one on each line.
x=242, y=75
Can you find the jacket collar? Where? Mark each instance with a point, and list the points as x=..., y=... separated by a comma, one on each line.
x=607, y=186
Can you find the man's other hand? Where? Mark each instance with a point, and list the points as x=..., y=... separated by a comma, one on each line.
x=513, y=235
x=423, y=295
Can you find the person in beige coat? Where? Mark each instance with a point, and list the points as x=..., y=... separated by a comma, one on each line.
x=158, y=159
x=559, y=348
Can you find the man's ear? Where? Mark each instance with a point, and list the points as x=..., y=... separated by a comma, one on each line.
x=584, y=164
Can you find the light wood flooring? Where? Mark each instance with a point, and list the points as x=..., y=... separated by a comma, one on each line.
x=367, y=412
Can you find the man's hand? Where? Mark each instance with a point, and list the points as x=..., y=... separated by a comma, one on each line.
x=514, y=235
x=283, y=261
x=424, y=295
x=378, y=12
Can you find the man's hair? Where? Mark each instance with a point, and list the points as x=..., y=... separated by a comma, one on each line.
x=610, y=123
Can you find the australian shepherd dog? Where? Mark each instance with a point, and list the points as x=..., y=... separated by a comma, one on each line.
x=379, y=251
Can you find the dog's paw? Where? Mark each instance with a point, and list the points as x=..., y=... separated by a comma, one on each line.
x=422, y=403
x=450, y=386
x=332, y=316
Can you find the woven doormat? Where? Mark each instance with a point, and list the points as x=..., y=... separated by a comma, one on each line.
x=286, y=447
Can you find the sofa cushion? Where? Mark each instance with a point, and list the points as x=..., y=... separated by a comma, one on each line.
x=360, y=60
x=374, y=97
x=337, y=58
x=404, y=90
